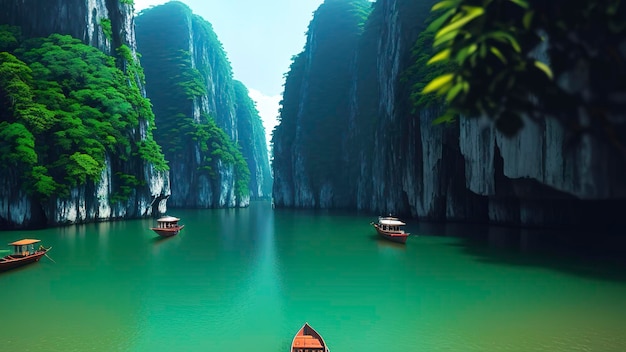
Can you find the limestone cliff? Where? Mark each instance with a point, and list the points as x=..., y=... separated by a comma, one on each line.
x=189, y=81
x=310, y=144
x=253, y=143
x=393, y=160
x=107, y=25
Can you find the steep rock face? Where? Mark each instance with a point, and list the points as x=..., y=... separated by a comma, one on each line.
x=311, y=140
x=284, y=134
x=208, y=56
x=391, y=180
x=540, y=178
x=83, y=19
x=189, y=81
x=253, y=144
x=400, y=163
x=89, y=203
x=412, y=168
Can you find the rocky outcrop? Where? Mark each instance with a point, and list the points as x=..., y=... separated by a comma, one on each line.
x=399, y=162
x=190, y=83
x=84, y=20
x=540, y=177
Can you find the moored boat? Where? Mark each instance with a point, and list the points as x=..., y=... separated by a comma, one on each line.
x=167, y=226
x=24, y=252
x=391, y=229
x=308, y=340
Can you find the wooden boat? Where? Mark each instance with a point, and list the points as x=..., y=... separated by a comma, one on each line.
x=308, y=340
x=167, y=226
x=391, y=229
x=24, y=252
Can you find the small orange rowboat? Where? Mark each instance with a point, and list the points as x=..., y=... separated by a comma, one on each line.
x=308, y=340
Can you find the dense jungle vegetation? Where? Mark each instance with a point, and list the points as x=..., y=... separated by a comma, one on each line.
x=64, y=108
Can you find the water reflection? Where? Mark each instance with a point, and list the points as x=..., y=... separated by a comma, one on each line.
x=246, y=279
x=389, y=246
x=589, y=254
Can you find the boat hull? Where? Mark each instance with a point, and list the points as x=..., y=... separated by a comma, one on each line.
x=392, y=236
x=307, y=339
x=12, y=262
x=167, y=232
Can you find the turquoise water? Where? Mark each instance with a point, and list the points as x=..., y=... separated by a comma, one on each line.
x=247, y=279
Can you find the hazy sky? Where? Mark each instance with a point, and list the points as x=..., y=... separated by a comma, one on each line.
x=259, y=38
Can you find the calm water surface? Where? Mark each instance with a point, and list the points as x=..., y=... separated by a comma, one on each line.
x=247, y=279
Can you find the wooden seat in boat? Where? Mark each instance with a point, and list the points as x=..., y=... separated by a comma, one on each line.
x=307, y=341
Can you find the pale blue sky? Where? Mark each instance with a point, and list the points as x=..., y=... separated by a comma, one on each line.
x=259, y=38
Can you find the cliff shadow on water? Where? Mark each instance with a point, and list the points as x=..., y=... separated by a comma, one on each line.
x=593, y=253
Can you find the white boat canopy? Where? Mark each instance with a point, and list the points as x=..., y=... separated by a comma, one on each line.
x=391, y=222
x=168, y=219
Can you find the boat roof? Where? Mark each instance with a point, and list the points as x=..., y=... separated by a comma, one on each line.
x=168, y=219
x=391, y=221
x=24, y=242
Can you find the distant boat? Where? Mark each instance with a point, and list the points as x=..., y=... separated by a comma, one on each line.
x=167, y=226
x=24, y=252
x=308, y=340
x=391, y=229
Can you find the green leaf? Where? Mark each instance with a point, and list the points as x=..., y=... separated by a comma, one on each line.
x=436, y=24
x=465, y=52
x=498, y=54
x=528, y=18
x=445, y=4
x=442, y=55
x=506, y=37
x=454, y=91
x=471, y=12
x=466, y=87
x=522, y=3
x=444, y=38
x=543, y=67
x=483, y=51
x=447, y=117
x=438, y=83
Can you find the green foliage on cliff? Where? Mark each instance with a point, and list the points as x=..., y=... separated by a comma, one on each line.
x=486, y=58
x=561, y=59
x=8, y=37
x=215, y=147
x=105, y=23
x=177, y=84
x=219, y=145
x=221, y=66
x=420, y=73
x=65, y=108
x=190, y=81
x=251, y=135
